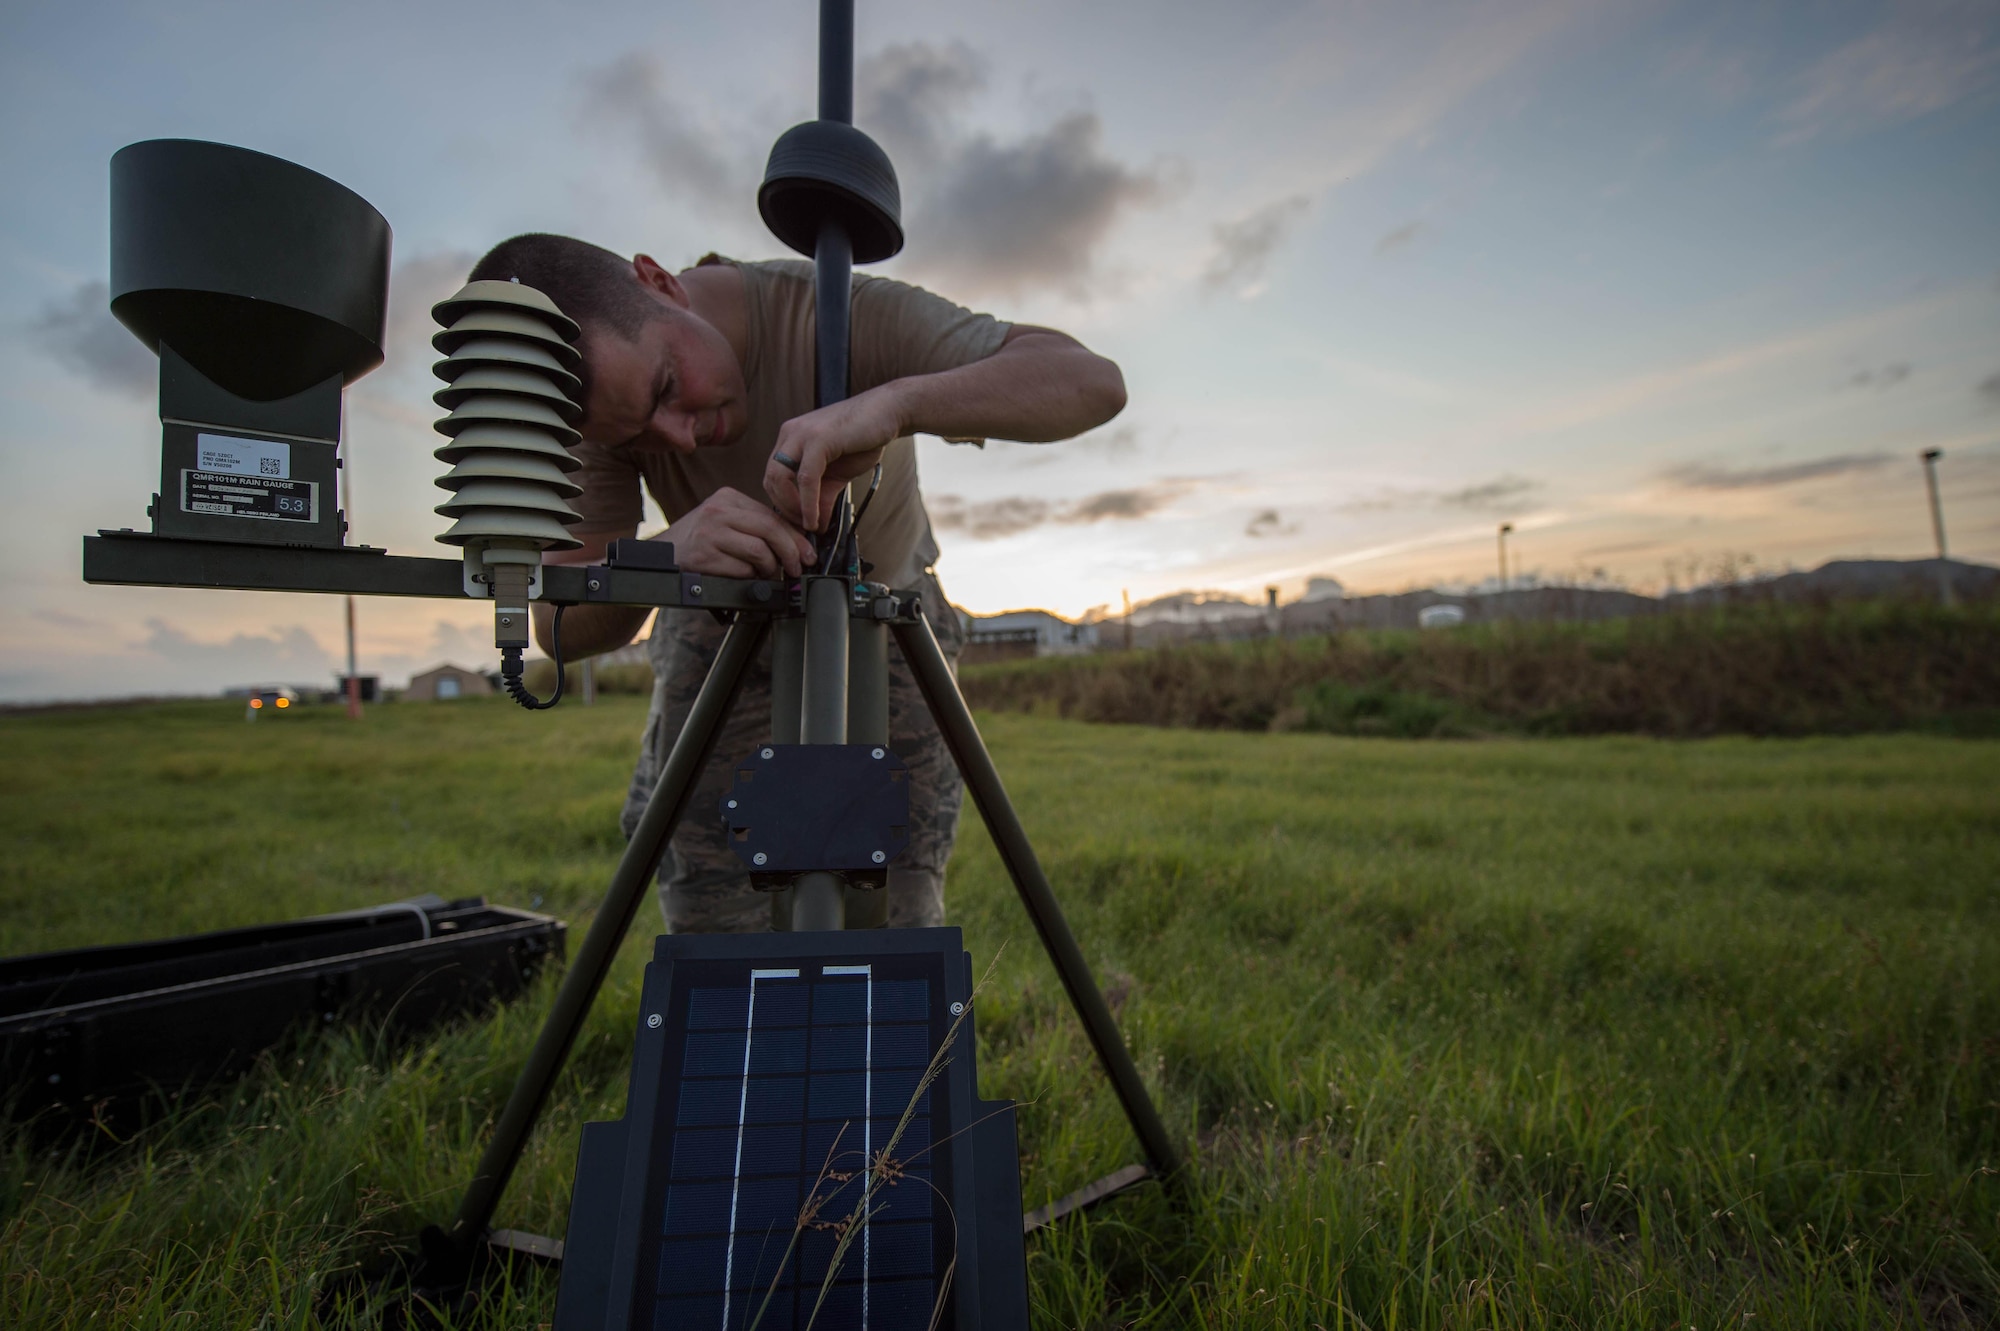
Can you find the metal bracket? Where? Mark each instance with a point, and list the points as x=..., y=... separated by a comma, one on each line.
x=480, y=589
x=802, y=808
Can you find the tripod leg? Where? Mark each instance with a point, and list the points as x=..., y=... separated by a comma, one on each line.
x=593, y=958
x=968, y=750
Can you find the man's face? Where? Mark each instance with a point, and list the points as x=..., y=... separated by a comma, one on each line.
x=674, y=385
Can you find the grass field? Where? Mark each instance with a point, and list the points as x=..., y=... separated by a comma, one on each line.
x=1582, y=1032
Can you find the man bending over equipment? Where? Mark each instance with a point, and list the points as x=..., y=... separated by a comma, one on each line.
x=699, y=386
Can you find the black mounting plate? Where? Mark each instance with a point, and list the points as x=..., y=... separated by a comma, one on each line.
x=801, y=808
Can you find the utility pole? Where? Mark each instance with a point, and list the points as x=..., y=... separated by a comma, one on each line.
x=347, y=516
x=1273, y=621
x=353, y=679
x=1930, y=457
x=1505, y=527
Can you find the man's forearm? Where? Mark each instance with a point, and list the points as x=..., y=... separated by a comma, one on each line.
x=1039, y=387
x=589, y=629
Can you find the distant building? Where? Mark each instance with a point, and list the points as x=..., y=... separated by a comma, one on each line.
x=1026, y=633
x=445, y=682
x=1197, y=608
x=1324, y=589
x=1440, y=616
x=371, y=688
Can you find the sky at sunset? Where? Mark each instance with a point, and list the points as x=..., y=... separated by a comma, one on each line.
x=1661, y=284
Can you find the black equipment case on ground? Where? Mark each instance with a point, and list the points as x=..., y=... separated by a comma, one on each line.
x=90, y=1025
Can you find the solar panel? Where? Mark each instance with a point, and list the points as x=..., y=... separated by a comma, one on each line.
x=803, y=1146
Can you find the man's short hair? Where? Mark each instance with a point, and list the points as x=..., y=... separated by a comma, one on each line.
x=587, y=282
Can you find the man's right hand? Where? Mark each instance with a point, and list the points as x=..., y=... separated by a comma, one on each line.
x=731, y=535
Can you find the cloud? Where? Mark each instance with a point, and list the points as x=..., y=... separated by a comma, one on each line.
x=1508, y=492
x=1118, y=504
x=1621, y=548
x=1703, y=476
x=1888, y=376
x=1120, y=441
x=1401, y=238
x=908, y=97
x=1989, y=388
x=1505, y=492
x=1243, y=248
x=1009, y=217
x=994, y=518
x=1927, y=56
x=471, y=647
x=1269, y=523
x=989, y=519
x=287, y=655
x=63, y=619
x=416, y=284
x=1005, y=215
x=712, y=167
x=79, y=331
x=986, y=214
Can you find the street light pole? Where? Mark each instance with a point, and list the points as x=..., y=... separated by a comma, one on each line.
x=1930, y=457
x=1505, y=527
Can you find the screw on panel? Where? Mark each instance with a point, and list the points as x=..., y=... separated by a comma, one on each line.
x=732, y=804
x=958, y=1009
x=878, y=857
x=876, y=753
x=759, y=857
x=596, y=586
x=768, y=754
x=653, y=1021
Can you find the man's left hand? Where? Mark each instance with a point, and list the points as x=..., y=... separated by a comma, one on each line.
x=831, y=446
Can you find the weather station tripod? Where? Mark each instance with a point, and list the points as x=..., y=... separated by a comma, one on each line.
x=781, y=1082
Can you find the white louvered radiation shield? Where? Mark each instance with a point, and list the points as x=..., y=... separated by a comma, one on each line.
x=511, y=388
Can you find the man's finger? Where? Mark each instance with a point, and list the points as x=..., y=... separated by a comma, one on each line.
x=812, y=468
x=751, y=550
x=786, y=541
x=783, y=489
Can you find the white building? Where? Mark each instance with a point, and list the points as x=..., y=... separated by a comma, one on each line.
x=1031, y=632
x=1440, y=616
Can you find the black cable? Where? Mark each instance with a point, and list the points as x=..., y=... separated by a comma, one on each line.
x=826, y=546
x=510, y=670
x=868, y=498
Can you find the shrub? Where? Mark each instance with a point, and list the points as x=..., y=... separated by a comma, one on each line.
x=1757, y=669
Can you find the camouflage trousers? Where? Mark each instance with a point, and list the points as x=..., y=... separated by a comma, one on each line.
x=704, y=888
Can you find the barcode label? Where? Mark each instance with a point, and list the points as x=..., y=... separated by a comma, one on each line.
x=228, y=455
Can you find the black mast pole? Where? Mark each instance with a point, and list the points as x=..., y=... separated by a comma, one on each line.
x=833, y=254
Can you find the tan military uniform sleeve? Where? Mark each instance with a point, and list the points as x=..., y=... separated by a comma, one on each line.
x=611, y=498
x=901, y=330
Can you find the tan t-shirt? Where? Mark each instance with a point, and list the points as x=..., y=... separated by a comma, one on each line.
x=898, y=331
